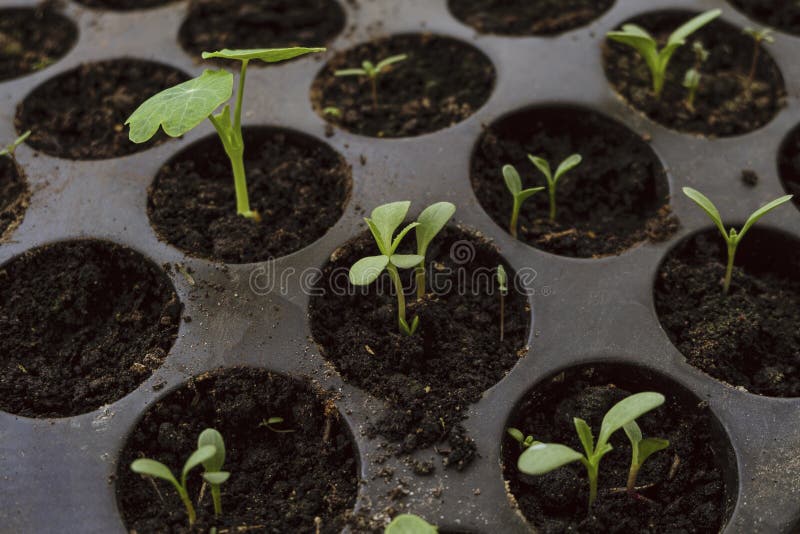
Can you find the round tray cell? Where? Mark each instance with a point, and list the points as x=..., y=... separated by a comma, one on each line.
x=727, y=102
x=216, y=24
x=300, y=475
x=527, y=17
x=749, y=337
x=616, y=198
x=789, y=164
x=299, y=185
x=32, y=39
x=690, y=486
x=123, y=5
x=781, y=14
x=80, y=114
x=428, y=91
x=13, y=196
x=83, y=324
x=456, y=354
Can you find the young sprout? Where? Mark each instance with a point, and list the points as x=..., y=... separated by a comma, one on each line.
x=271, y=422
x=213, y=474
x=502, y=284
x=692, y=79
x=759, y=35
x=567, y=165
x=540, y=458
x=431, y=221
x=10, y=149
x=658, y=60
x=410, y=524
x=332, y=111
x=642, y=449
x=383, y=223
x=732, y=237
x=372, y=71
x=524, y=441
x=514, y=185
x=181, y=108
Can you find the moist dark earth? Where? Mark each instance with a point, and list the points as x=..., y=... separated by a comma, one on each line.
x=442, y=82
x=299, y=186
x=13, y=196
x=32, y=39
x=216, y=24
x=789, y=165
x=726, y=103
x=123, y=5
x=527, y=17
x=780, y=14
x=750, y=337
x=615, y=199
x=84, y=323
x=81, y=114
x=688, y=498
x=429, y=379
x=280, y=481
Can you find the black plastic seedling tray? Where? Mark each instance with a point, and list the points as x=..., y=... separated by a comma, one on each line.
x=58, y=474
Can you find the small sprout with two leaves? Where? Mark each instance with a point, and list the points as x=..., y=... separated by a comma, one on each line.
x=183, y=107
x=514, y=185
x=371, y=71
x=692, y=79
x=759, y=35
x=658, y=60
x=540, y=458
x=10, y=149
x=271, y=422
x=641, y=449
x=409, y=524
x=502, y=285
x=430, y=223
x=552, y=180
x=523, y=440
x=210, y=452
x=732, y=237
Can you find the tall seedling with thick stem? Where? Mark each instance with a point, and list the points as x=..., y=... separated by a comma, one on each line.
x=732, y=237
x=372, y=71
x=514, y=185
x=213, y=475
x=552, y=180
x=181, y=108
x=430, y=223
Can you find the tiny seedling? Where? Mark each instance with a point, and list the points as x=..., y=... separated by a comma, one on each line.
x=271, y=422
x=183, y=107
x=213, y=475
x=514, y=185
x=430, y=223
x=410, y=524
x=10, y=149
x=552, y=180
x=383, y=223
x=642, y=449
x=524, y=441
x=502, y=284
x=371, y=71
x=658, y=60
x=759, y=35
x=732, y=237
x=332, y=111
x=540, y=458
x=692, y=79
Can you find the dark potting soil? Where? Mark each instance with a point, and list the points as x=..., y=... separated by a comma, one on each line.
x=683, y=485
x=13, y=196
x=83, y=324
x=33, y=38
x=80, y=114
x=429, y=379
x=615, y=199
x=442, y=82
x=750, y=337
x=781, y=14
x=123, y=5
x=299, y=186
x=280, y=482
x=527, y=17
x=726, y=104
x=789, y=165
x=216, y=24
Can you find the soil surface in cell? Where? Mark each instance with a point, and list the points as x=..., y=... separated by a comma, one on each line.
x=681, y=488
x=440, y=83
x=13, y=196
x=749, y=337
x=83, y=324
x=123, y=5
x=298, y=185
x=789, y=165
x=283, y=476
x=81, y=114
x=616, y=198
x=217, y=24
x=33, y=38
x=780, y=14
x=527, y=17
x=429, y=379
x=728, y=101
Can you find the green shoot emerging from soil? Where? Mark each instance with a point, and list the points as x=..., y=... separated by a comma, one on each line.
x=642, y=449
x=383, y=223
x=759, y=35
x=502, y=284
x=692, y=79
x=10, y=149
x=658, y=60
x=524, y=441
x=271, y=422
x=552, y=180
x=410, y=524
x=213, y=475
x=540, y=458
x=514, y=185
x=181, y=108
x=732, y=237
x=371, y=71
x=430, y=223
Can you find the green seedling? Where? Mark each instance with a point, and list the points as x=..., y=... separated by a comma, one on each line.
x=10, y=149
x=430, y=223
x=552, y=180
x=658, y=60
x=410, y=524
x=213, y=475
x=759, y=35
x=271, y=422
x=502, y=284
x=514, y=185
x=383, y=223
x=371, y=71
x=524, y=441
x=642, y=449
x=540, y=458
x=332, y=111
x=183, y=107
x=692, y=79
x=732, y=237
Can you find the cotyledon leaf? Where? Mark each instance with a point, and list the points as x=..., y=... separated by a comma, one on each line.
x=267, y=55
